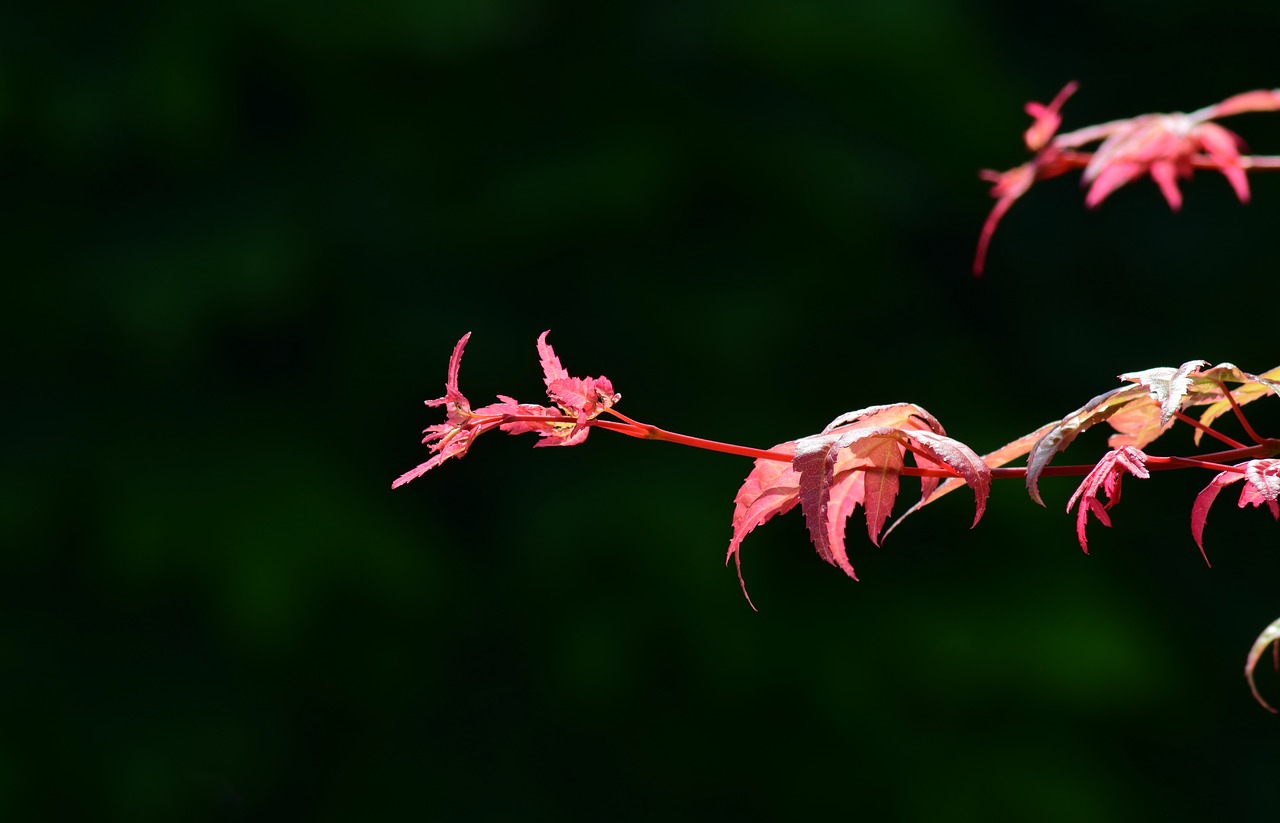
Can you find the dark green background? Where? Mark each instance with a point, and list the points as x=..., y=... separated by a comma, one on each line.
x=240, y=240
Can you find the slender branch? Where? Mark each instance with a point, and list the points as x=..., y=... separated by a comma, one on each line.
x=1189, y=462
x=1215, y=461
x=1068, y=160
x=1217, y=435
x=1235, y=407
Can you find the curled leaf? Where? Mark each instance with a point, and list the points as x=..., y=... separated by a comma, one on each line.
x=772, y=488
x=992, y=460
x=1142, y=412
x=1068, y=428
x=580, y=398
x=847, y=466
x=1105, y=477
x=1269, y=635
x=878, y=454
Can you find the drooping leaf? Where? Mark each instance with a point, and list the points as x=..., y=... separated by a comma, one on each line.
x=846, y=493
x=901, y=415
x=1204, y=502
x=848, y=465
x=1065, y=431
x=973, y=469
x=1262, y=486
x=1105, y=477
x=453, y=437
x=772, y=488
x=878, y=451
x=881, y=479
x=907, y=416
x=992, y=460
x=1269, y=635
x=1135, y=418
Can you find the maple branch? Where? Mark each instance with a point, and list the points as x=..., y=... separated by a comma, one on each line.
x=647, y=431
x=1163, y=463
x=1217, y=435
x=650, y=432
x=1235, y=407
x=1067, y=160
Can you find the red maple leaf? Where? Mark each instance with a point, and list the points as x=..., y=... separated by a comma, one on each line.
x=1008, y=186
x=1165, y=146
x=852, y=462
x=583, y=397
x=580, y=398
x=1105, y=477
x=1262, y=486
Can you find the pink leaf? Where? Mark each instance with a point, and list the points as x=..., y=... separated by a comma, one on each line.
x=960, y=458
x=1065, y=432
x=831, y=474
x=1264, y=483
x=551, y=368
x=583, y=398
x=580, y=398
x=856, y=460
x=1047, y=119
x=1105, y=477
x=1249, y=101
x=881, y=480
x=1263, y=486
x=817, y=458
x=1204, y=501
x=772, y=488
x=1009, y=186
x=453, y=437
x=992, y=460
x=1224, y=147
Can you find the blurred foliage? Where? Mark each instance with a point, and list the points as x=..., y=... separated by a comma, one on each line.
x=241, y=239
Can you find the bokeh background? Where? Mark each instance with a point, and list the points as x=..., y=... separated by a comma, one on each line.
x=241, y=239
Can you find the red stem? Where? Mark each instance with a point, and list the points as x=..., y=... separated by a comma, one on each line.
x=1216, y=461
x=1217, y=435
x=1069, y=159
x=1235, y=407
